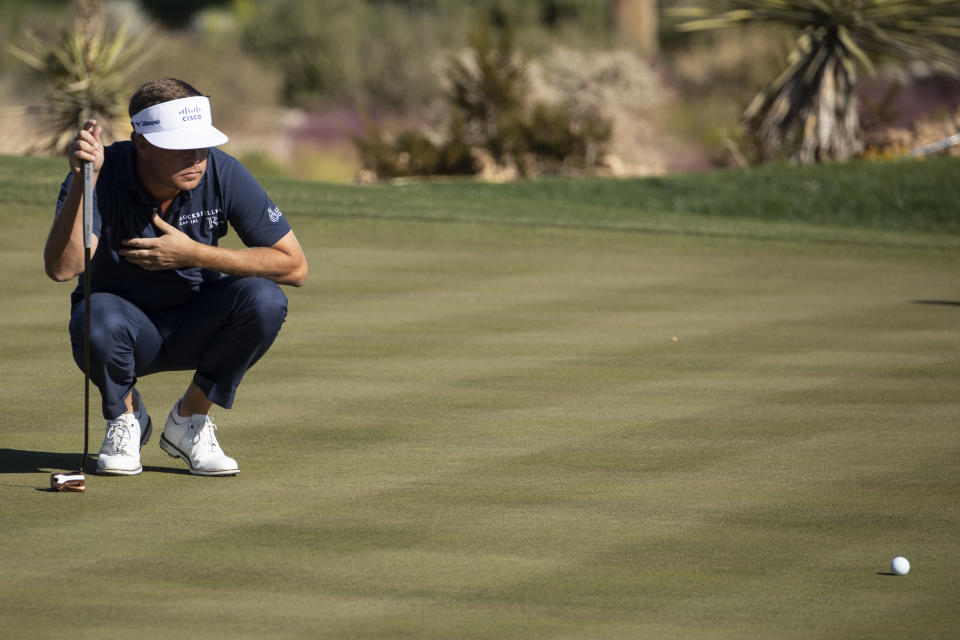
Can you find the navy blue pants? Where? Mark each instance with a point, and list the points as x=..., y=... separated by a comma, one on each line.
x=220, y=334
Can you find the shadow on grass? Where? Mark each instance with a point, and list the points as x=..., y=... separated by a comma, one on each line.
x=20, y=461
x=175, y=470
x=942, y=303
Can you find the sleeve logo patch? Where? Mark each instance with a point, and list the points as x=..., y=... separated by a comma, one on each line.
x=274, y=214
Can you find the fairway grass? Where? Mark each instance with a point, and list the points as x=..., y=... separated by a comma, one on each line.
x=487, y=429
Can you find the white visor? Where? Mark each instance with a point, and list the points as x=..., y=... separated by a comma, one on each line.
x=185, y=123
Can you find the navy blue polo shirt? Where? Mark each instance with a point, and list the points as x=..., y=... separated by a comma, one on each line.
x=227, y=196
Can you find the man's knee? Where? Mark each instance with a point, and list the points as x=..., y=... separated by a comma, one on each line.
x=263, y=302
x=109, y=326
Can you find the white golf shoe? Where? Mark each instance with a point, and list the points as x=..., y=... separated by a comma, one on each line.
x=194, y=440
x=120, y=452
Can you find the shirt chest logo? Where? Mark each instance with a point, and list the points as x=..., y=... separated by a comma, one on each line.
x=210, y=218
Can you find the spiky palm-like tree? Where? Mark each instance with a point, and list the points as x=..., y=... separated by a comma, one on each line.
x=86, y=74
x=812, y=103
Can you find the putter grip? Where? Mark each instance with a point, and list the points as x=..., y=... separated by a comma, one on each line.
x=87, y=204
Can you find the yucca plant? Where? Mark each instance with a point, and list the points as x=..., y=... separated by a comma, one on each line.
x=86, y=75
x=810, y=108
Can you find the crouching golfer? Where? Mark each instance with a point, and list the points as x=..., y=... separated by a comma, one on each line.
x=164, y=296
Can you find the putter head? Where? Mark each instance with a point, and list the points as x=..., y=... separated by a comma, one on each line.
x=73, y=482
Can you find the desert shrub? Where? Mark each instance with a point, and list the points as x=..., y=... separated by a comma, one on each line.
x=536, y=19
x=490, y=115
x=553, y=136
x=380, y=55
x=456, y=156
x=487, y=89
x=350, y=53
x=411, y=152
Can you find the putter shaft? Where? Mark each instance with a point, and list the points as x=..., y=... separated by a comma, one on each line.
x=87, y=245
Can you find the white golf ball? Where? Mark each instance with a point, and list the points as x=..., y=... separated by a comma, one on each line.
x=900, y=566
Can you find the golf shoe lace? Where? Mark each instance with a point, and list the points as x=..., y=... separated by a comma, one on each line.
x=206, y=436
x=119, y=436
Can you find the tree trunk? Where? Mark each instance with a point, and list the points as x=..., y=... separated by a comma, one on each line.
x=812, y=114
x=636, y=22
x=831, y=130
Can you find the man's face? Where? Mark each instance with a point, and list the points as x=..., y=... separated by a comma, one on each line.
x=169, y=168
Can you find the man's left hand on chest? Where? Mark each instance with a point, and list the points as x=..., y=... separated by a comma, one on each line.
x=172, y=249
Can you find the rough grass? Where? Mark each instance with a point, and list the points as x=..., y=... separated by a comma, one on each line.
x=475, y=428
x=859, y=203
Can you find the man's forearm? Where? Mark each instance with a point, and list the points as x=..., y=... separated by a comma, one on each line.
x=63, y=253
x=284, y=262
x=263, y=262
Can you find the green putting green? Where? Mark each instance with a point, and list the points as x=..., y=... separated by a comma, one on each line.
x=487, y=417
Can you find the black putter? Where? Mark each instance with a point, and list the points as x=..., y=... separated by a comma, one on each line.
x=76, y=481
